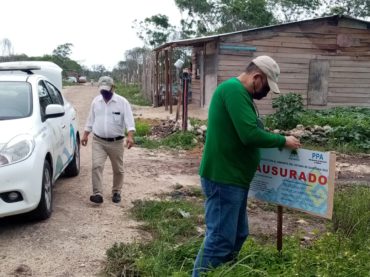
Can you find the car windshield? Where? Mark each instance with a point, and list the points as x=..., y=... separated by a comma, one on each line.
x=15, y=100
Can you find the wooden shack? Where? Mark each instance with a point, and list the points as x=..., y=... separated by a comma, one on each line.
x=326, y=60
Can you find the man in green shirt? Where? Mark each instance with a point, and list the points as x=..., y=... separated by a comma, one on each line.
x=230, y=159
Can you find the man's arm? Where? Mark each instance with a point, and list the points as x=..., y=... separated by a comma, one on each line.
x=88, y=127
x=85, y=138
x=130, y=125
x=130, y=139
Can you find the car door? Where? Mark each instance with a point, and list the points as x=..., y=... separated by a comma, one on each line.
x=66, y=124
x=54, y=129
x=67, y=148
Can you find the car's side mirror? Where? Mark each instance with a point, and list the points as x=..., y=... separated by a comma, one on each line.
x=54, y=110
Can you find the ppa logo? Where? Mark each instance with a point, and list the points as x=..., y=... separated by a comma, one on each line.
x=317, y=156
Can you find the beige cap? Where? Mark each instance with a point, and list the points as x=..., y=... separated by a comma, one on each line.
x=268, y=66
x=105, y=82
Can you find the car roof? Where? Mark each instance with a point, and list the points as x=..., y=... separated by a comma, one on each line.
x=13, y=77
x=33, y=70
x=4, y=77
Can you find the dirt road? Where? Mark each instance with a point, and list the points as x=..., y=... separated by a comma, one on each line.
x=74, y=240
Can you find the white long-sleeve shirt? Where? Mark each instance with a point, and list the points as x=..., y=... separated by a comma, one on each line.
x=110, y=120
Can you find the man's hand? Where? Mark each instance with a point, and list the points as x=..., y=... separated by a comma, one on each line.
x=85, y=138
x=130, y=140
x=292, y=142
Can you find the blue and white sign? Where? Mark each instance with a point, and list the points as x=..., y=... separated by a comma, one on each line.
x=302, y=180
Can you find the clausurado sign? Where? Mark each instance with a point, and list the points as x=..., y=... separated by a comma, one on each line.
x=301, y=179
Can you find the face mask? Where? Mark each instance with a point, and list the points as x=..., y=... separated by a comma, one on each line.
x=107, y=95
x=258, y=95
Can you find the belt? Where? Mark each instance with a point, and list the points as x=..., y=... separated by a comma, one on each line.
x=110, y=139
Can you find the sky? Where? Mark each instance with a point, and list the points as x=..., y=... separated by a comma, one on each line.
x=100, y=31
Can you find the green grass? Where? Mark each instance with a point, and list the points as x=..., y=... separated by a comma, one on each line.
x=344, y=250
x=197, y=122
x=351, y=128
x=133, y=94
x=352, y=214
x=177, y=140
x=142, y=127
x=174, y=245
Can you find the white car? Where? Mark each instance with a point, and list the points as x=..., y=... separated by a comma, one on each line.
x=39, y=137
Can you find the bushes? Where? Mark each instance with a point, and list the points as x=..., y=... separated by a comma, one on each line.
x=288, y=109
x=350, y=125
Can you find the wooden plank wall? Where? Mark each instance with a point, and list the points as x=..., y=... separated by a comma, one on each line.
x=293, y=46
x=195, y=83
x=195, y=89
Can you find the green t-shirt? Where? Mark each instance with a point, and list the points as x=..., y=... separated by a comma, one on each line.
x=231, y=153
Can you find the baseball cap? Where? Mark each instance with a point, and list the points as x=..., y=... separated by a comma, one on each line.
x=105, y=82
x=268, y=66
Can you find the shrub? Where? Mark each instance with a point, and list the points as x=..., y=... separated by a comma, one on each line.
x=142, y=128
x=288, y=110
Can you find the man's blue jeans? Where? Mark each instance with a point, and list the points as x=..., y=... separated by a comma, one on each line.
x=226, y=223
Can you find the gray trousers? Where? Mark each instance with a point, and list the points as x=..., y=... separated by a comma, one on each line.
x=102, y=149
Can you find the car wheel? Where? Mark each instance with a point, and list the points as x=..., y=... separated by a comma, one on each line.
x=73, y=168
x=44, y=209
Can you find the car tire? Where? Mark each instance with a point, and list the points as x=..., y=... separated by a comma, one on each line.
x=45, y=207
x=73, y=168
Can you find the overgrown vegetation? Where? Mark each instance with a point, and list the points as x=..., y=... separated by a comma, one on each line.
x=142, y=127
x=172, y=225
x=350, y=126
x=171, y=138
x=289, y=108
x=132, y=93
x=177, y=140
x=344, y=250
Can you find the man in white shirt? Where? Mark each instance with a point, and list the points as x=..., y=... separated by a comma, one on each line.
x=110, y=115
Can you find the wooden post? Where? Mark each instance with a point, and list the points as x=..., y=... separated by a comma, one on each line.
x=279, y=234
x=166, y=79
x=178, y=105
x=156, y=92
x=170, y=78
x=185, y=90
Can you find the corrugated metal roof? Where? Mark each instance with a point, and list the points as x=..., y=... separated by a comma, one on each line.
x=200, y=40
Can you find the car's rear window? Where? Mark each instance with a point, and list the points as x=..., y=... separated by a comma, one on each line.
x=15, y=100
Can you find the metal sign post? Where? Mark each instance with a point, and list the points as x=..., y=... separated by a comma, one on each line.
x=279, y=234
x=185, y=90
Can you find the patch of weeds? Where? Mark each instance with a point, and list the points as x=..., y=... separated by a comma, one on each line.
x=343, y=252
x=352, y=214
x=133, y=94
x=165, y=219
x=330, y=255
x=142, y=127
x=175, y=243
x=177, y=140
x=197, y=122
x=121, y=259
x=181, y=192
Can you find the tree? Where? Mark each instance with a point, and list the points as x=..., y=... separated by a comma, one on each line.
x=293, y=10
x=240, y=15
x=154, y=30
x=204, y=17
x=133, y=64
x=355, y=8
x=63, y=50
x=61, y=56
x=219, y=16
x=6, y=50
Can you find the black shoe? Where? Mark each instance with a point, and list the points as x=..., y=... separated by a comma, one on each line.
x=96, y=198
x=116, y=197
